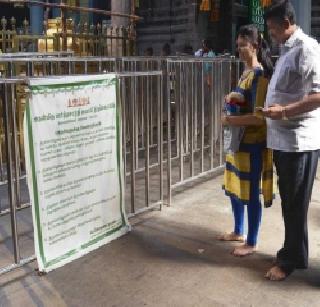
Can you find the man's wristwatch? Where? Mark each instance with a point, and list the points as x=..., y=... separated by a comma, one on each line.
x=283, y=114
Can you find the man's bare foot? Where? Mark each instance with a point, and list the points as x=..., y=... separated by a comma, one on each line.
x=231, y=237
x=276, y=274
x=244, y=250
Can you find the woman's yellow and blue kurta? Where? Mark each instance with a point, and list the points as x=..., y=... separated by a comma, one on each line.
x=253, y=158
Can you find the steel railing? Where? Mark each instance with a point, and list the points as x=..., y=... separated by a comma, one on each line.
x=170, y=115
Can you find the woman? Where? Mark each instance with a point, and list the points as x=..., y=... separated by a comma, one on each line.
x=249, y=166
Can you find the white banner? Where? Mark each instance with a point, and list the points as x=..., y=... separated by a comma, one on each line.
x=74, y=166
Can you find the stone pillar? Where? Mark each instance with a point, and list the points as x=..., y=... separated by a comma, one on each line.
x=120, y=6
x=36, y=19
x=303, y=12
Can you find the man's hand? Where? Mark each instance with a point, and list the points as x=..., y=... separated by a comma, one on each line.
x=274, y=111
x=307, y=104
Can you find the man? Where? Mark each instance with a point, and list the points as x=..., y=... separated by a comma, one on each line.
x=293, y=118
x=206, y=51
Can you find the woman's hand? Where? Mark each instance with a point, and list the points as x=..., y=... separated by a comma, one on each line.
x=224, y=120
x=241, y=120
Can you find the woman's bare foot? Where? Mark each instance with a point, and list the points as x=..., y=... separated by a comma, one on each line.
x=244, y=250
x=231, y=237
x=276, y=274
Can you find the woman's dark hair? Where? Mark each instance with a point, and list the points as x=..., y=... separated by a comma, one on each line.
x=280, y=10
x=252, y=34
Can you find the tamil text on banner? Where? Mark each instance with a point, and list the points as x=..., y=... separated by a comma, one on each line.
x=74, y=166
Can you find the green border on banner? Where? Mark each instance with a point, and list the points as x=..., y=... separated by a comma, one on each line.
x=60, y=258
x=101, y=237
x=119, y=139
x=34, y=182
x=72, y=86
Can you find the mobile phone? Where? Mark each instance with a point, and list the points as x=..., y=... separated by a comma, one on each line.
x=259, y=109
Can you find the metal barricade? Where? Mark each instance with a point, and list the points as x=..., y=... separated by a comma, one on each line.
x=186, y=79
x=146, y=64
x=148, y=181
x=48, y=66
x=83, y=39
x=195, y=96
x=193, y=91
x=171, y=125
x=57, y=54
